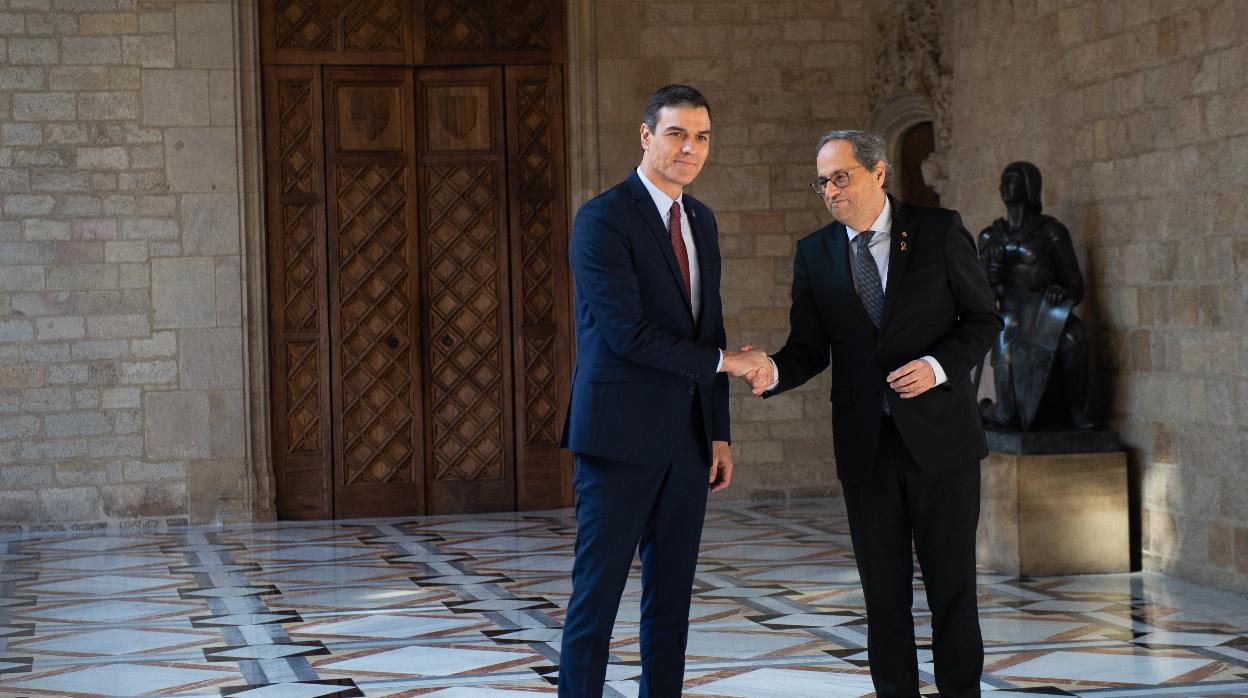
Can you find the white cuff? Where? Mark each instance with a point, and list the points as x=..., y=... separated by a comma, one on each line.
x=720, y=366
x=940, y=372
x=775, y=373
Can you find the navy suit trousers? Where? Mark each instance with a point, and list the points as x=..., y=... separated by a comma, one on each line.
x=621, y=507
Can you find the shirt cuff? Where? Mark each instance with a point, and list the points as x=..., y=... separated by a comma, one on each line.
x=719, y=366
x=775, y=373
x=940, y=372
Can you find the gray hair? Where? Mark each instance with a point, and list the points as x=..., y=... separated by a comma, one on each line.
x=868, y=148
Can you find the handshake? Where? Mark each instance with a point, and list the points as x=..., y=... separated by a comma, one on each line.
x=752, y=366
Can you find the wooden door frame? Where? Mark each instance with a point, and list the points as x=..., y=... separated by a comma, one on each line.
x=252, y=27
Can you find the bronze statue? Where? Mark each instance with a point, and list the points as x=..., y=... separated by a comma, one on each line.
x=1040, y=360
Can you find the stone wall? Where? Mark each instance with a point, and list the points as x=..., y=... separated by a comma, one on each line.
x=1135, y=113
x=131, y=284
x=777, y=74
x=123, y=362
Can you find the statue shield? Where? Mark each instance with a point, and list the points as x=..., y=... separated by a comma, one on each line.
x=1034, y=348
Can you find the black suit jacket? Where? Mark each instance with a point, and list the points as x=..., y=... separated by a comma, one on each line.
x=641, y=359
x=936, y=302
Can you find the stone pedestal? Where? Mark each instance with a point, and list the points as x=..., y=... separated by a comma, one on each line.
x=1054, y=514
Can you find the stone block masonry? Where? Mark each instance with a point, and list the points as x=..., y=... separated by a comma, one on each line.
x=122, y=375
x=770, y=71
x=1134, y=112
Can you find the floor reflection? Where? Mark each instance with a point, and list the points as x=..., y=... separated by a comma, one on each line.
x=470, y=607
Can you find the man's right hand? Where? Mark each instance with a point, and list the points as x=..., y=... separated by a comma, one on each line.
x=751, y=365
x=744, y=360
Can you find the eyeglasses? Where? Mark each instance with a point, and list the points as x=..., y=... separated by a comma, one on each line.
x=839, y=179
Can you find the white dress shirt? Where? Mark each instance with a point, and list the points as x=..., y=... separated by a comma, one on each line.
x=664, y=204
x=880, y=245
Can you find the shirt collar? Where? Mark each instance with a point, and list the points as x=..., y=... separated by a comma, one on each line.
x=883, y=223
x=661, y=200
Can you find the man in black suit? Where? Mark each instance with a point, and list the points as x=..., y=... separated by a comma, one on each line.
x=648, y=415
x=894, y=297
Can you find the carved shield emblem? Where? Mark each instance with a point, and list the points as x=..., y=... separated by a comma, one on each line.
x=370, y=113
x=458, y=114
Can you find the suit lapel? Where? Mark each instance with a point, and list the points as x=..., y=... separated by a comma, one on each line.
x=698, y=230
x=650, y=214
x=900, y=240
x=838, y=250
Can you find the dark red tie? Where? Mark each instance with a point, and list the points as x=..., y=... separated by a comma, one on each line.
x=678, y=246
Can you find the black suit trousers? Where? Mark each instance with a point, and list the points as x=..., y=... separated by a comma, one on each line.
x=895, y=505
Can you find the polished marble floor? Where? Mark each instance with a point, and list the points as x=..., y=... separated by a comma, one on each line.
x=470, y=607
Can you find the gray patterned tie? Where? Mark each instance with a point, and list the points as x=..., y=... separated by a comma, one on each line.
x=870, y=290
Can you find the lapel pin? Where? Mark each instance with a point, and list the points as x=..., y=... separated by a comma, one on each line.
x=904, y=233
x=903, y=246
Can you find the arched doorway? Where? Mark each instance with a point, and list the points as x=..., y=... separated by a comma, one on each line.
x=916, y=144
x=907, y=123
x=420, y=344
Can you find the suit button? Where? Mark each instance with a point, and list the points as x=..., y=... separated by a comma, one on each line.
x=693, y=389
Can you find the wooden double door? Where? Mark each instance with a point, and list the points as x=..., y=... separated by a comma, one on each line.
x=419, y=323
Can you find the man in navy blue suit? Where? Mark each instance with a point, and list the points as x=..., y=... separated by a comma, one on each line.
x=648, y=415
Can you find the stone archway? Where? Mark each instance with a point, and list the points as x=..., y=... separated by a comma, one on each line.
x=910, y=83
x=896, y=117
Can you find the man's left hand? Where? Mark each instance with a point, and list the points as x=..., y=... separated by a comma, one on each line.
x=913, y=379
x=721, y=466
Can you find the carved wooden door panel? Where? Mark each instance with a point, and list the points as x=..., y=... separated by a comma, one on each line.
x=298, y=321
x=338, y=32
x=417, y=240
x=539, y=281
x=463, y=231
x=489, y=32
x=374, y=293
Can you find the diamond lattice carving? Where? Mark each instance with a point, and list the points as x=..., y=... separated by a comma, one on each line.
x=539, y=299
x=456, y=24
x=536, y=259
x=533, y=127
x=339, y=25
x=520, y=24
x=306, y=24
x=541, y=404
x=375, y=25
x=303, y=403
x=375, y=317
x=295, y=116
x=465, y=320
x=299, y=242
x=460, y=25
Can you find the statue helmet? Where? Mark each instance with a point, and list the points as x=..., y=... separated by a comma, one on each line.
x=1030, y=175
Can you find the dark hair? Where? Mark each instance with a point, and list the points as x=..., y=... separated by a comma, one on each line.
x=1030, y=174
x=673, y=96
x=868, y=148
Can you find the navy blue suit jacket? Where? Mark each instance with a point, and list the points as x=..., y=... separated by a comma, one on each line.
x=641, y=359
x=936, y=303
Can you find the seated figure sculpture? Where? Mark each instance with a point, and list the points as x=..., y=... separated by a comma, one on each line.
x=1040, y=360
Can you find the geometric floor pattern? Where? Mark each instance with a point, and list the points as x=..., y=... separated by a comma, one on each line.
x=471, y=606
